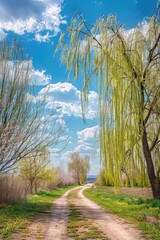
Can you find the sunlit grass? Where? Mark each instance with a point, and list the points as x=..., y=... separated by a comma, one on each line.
x=144, y=212
x=14, y=217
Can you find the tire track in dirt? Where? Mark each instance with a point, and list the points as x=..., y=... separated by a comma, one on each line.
x=57, y=229
x=113, y=227
x=53, y=226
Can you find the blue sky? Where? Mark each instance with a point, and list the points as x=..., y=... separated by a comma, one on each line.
x=37, y=24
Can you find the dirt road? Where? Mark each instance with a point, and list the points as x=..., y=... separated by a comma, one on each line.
x=73, y=216
x=113, y=227
x=57, y=227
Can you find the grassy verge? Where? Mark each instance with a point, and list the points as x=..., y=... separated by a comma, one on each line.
x=143, y=211
x=79, y=228
x=14, y=217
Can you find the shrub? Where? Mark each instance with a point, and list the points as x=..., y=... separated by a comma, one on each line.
x=12, y=189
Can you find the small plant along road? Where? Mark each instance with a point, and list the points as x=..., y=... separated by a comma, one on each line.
x=76, y=217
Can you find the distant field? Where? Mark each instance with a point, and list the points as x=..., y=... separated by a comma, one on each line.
x=146, y=192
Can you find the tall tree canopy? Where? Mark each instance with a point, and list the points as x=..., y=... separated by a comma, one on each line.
x=126, y=64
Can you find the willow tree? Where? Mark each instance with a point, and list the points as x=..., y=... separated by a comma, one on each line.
x=126, y=67
x=79, y=167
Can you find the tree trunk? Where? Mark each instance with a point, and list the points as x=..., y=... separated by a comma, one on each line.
x=79, y=182
x=78, y=179
x=36, y=188
x=31, y=187
x=154, y=180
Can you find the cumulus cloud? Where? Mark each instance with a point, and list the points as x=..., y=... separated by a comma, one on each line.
x=38, y=17
x=88, y=136
x=37, y=77
x=84, y=149
x=43, y=38
x=87, y=145
x=66, y=97
x=88, y=140
x=40, y=77
x=143, y=27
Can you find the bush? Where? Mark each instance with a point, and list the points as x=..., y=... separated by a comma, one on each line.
x=59, y=179
x=12, y=189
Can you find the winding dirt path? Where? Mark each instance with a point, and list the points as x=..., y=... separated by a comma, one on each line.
x=57, y=229
x=53, y=226
x=113, y=227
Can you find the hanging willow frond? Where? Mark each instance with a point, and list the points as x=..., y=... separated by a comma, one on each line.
x=125, y=64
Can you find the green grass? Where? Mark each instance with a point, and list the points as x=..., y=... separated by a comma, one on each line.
x=145, y=212
x=15, y=217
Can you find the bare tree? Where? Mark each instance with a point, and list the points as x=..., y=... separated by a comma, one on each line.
x=25, y=124
x=79, y=167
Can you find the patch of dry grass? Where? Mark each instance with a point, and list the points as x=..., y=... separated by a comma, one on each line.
x=79, y=228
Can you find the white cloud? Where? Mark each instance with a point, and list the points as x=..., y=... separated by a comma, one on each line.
x=30, y=16
x=87, y=145
x=19, y=69
x=88, y=141
x=37, y=77
x=84, y=149
x=62, y=92
x=40, y=77
x=143, y=27
x=66, y=97
x=89, y=136
x=42, y=38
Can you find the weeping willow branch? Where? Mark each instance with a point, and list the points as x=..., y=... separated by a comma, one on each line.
x=126, y=65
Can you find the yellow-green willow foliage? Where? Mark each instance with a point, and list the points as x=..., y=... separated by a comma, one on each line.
x=126, y=66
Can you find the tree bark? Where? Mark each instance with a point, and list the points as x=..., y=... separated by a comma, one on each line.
x=31, y=187
x=154, y=180
x=79, y=182
x=36, y=188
